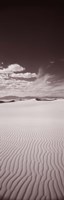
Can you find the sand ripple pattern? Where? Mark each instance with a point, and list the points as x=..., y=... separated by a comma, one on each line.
x=31, y=163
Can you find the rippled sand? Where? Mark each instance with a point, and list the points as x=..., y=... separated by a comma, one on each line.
x=32, y=150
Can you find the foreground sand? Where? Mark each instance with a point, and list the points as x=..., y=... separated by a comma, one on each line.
x=32, y=150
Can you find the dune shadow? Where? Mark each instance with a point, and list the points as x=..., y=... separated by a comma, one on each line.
x=2, y=198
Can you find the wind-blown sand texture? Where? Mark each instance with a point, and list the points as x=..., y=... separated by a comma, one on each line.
x=32, y=150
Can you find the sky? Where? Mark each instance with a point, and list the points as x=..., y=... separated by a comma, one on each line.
x=32, y=50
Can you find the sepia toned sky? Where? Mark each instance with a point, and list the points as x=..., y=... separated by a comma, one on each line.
x=32, y=50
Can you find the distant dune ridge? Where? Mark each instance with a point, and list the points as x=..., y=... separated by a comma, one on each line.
x=32, y=150
x=6, y=99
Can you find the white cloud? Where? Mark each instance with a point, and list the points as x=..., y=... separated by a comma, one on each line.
x=43, y=85
x=40, y=72
x=24, y=75
x=15, y=68
x=12, y=68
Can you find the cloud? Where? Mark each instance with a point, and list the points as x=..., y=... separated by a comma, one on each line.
x=15, y=71
x=48, y=85
x=13, y=81
x=15, y=68
x=40, y=72
x=52, y=61
x=12, y=68
x=24, y=75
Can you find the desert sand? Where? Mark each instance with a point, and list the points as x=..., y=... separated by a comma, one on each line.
x=32, y=150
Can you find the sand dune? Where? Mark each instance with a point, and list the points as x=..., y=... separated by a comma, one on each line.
x=32, y=150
